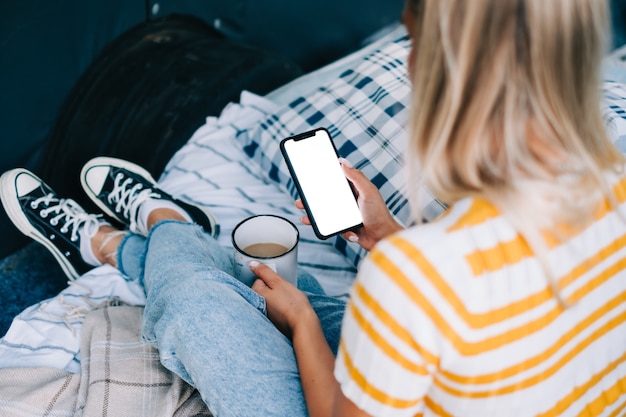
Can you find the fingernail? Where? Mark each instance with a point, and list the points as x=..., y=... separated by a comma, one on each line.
x=345, y=162
x=253, y=264
x=353, y=238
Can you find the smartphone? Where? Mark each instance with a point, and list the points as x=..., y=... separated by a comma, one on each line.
x=327, y=195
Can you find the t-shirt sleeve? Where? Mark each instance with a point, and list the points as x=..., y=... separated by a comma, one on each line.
x=387, y=352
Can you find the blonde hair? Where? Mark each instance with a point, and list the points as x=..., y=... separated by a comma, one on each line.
x=506, y=106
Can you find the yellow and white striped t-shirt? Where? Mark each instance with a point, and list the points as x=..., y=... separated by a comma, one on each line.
x=455, y=318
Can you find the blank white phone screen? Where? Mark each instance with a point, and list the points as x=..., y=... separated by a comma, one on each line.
x=323, y=183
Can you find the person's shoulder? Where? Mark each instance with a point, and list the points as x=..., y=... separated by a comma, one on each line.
x=438, y=262
x=465, y=216
x=435, y=253
x=445, y=244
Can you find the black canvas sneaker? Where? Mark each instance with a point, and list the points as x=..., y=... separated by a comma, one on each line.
x=118, y=187
x=36, y=211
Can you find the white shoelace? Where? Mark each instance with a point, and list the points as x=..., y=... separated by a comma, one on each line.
x=127, y=200
x=71, y=213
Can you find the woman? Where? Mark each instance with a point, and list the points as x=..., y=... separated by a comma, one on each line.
x=513, y=303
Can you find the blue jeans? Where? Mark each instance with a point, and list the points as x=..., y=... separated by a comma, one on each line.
x=212, y=330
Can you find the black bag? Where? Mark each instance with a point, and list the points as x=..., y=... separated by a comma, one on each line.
x=148, y=91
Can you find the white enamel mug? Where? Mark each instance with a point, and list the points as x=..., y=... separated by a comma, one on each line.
x=268, y=239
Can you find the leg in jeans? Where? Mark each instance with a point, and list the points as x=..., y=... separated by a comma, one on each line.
x=211, y=329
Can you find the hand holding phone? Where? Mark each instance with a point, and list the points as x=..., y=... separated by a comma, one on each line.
x=327, y=196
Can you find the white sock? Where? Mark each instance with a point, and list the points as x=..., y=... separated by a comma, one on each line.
x=86, y=251
x=151, y=204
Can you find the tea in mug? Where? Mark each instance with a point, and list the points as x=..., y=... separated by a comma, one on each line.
x=265, y=250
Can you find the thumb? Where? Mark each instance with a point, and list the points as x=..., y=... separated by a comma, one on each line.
x=266, y=275
x=355, y=176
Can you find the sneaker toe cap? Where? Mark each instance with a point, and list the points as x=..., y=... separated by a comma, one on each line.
x=25, y=183
x=95, y=177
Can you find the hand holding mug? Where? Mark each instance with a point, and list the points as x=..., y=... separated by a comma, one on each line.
x=287, y=306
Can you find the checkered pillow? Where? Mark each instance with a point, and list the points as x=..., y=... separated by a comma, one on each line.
x=365, y=111
x=614, y=112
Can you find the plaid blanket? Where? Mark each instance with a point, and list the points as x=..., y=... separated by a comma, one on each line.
x=120, y=376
